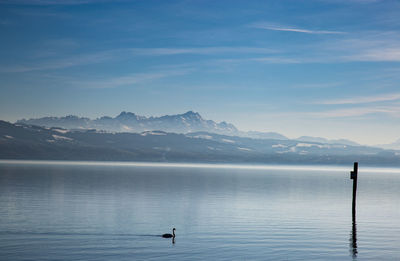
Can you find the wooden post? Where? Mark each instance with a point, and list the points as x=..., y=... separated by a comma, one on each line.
x=353, y=176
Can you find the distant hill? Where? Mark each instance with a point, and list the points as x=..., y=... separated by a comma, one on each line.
x=326, y=141
x=392, y=146
x=21, y=141
x=263, y=135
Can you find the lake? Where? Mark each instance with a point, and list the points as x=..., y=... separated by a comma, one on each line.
x=116, y=211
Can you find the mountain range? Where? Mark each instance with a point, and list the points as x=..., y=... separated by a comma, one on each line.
x=179, y=123
x=131, y=122
x=24, y=141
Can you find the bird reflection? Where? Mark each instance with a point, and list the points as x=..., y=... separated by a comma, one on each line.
x=353, y=240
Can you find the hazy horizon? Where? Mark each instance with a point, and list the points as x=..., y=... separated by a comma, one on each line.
x=249, y=130
x=317, y=68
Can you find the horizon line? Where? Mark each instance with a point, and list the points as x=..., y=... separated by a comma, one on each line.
x=335, y=168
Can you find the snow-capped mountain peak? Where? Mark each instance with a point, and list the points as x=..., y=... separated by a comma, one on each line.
x=131, y=122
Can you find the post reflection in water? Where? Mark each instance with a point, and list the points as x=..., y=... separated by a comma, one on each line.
x=353, y=240
x=353, y=235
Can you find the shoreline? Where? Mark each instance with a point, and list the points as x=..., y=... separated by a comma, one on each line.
x=202, y=165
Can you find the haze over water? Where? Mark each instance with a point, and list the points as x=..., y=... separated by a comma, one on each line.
x=116, y=212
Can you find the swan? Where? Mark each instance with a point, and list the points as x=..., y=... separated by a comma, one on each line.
x=170, y=235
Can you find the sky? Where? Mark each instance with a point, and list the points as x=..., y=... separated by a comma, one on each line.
x=326, y=68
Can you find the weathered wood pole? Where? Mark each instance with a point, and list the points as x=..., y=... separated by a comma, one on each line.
x=353, y=176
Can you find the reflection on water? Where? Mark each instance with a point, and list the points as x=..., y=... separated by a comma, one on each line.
x=353, y=240
x=353, y=236
x=106, y=212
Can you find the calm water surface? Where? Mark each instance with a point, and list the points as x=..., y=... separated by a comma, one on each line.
x=116, y=212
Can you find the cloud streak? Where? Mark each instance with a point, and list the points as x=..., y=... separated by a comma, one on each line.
x=367, y=46
x=361, y=47
x=272, y=27
x=357, y=112
x=200, y=50
x=59, y=63
x=121, y=54
x=362, y=100
x=377, y=54
x=131, y=79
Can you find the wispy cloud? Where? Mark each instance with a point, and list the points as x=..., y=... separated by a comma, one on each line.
x=361, y=100
x=327, y=85
x=283, y=60
x=114, y=54
x=131, y=79
x=368, y=46
x=274, y=27
x=387, y=104
x=377, y=54
x=59, y=63
x=238, y=61
x=357, y=112
x=356, y=47
x=200, y=50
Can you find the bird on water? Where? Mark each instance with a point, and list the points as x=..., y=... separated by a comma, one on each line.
x=170, y=235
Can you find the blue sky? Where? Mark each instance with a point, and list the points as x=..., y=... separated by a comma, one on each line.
x=328, y=68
